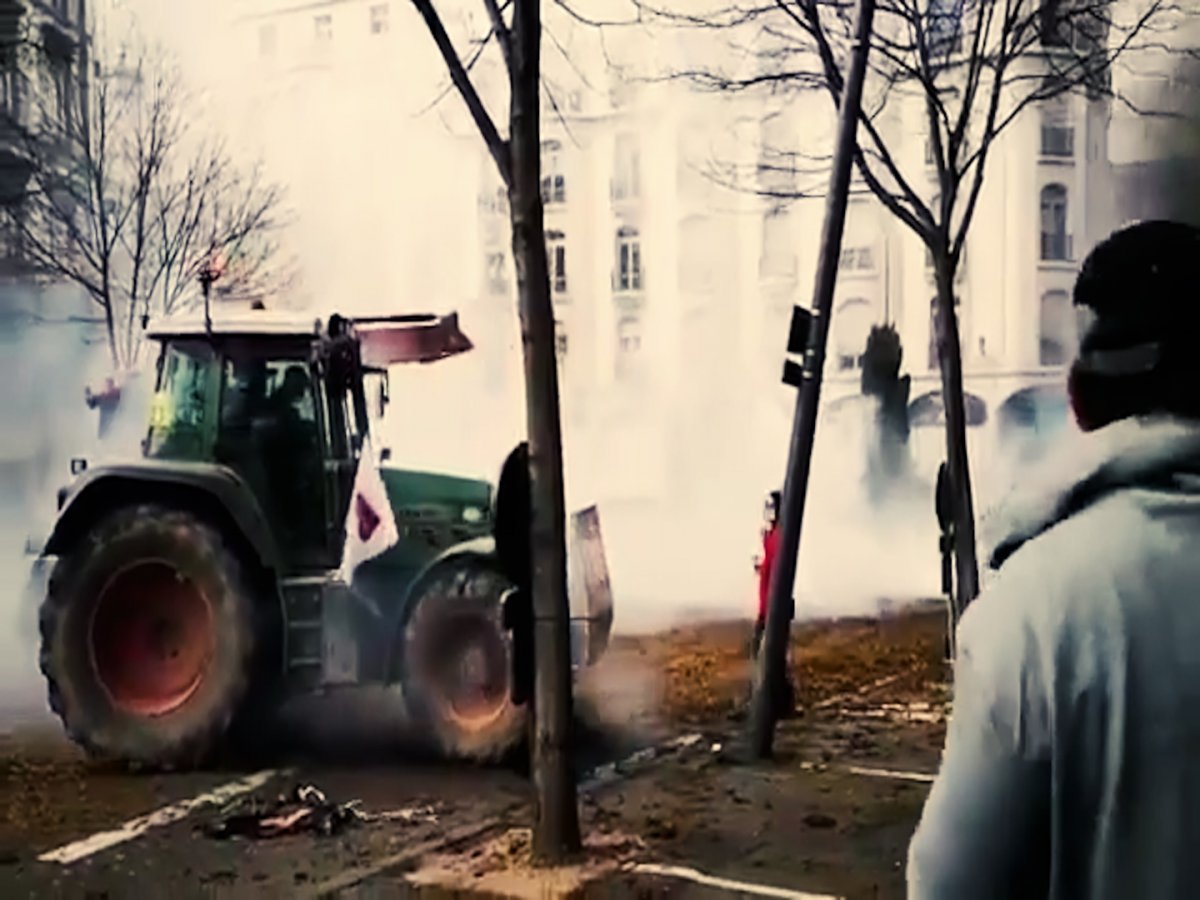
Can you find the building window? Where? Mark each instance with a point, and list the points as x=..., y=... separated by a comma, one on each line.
x=10, y=89
x=627, y=175
x=1056, y=324
x=959, y=161
x=1080, y=29
x=556, y=259
x=1056, y=242
x=323, y=28
x=554, y=184
x=1058, y=135
x=560, y=341
x=268, y=38
x=379, y=18
x=852, y=323
x=629, y=260
x=1056, y=27
x=935, y=321
x=629, y=346
x=857, y=259
x=497, y=273
x=943, y=27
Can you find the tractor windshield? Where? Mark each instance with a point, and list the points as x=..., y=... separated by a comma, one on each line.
x=182, y=402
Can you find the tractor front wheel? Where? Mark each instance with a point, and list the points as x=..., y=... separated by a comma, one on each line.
x=149, y=638
x=457, y=663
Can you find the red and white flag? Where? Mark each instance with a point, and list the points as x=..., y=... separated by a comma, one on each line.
x=370, y=523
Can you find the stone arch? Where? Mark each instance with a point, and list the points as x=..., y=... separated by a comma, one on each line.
x=927, y=410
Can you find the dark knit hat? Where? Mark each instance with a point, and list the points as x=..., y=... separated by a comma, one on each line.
x=1142, y=284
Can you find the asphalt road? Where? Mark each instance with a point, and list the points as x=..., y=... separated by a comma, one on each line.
x=74, y=829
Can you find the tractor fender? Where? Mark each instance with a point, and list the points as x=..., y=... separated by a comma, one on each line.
x=482, y=548
x=478, y=549
x=214, y=492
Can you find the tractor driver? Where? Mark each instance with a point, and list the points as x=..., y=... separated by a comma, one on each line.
x=288, y=396
x=295, y=468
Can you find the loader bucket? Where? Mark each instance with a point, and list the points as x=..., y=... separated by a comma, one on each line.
x=590, y=571
x=410, y=339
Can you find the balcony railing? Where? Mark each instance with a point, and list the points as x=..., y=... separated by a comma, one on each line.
x=1056, y=247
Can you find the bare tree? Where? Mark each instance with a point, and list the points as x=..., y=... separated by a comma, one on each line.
x=124, y=200
x=215, y=212
x=973, y=67
x=518, y=159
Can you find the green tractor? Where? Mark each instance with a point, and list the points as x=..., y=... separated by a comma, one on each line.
x=194, y=589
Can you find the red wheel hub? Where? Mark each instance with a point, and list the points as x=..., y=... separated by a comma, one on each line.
x=471, y=672
x=152, y=638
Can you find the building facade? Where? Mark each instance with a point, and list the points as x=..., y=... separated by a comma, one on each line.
x=675, y=266
x=50, y=331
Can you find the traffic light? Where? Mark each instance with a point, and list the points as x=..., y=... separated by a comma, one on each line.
x=799, y=334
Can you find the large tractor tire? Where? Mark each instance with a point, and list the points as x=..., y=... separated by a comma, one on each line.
x=456, y=663
x=149, y=638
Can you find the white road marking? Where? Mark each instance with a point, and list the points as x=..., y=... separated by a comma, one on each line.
x=922, y=777
x=168, y=815
x=741, y=887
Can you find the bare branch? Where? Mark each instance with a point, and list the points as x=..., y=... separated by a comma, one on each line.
x=500, y=29
x=116, y=205
x=497, y=147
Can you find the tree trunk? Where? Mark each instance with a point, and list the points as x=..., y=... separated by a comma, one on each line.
x=556, y=827
x=111, y=327
x=957, y=463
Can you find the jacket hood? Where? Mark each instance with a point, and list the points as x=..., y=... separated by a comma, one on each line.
x=1150, y=451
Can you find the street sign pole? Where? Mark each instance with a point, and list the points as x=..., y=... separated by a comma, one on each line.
x=772, y=659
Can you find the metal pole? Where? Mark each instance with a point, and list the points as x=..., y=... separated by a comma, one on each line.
x=772, y=659
x=207, y=277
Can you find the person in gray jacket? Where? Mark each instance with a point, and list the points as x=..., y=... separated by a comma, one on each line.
x=1072, y=762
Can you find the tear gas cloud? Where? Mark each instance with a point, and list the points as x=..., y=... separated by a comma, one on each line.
x=383, y=197
x=52, y=351
x=383, y=194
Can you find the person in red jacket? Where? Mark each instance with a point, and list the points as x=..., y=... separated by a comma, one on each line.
x=771, y=534
x=770, y=550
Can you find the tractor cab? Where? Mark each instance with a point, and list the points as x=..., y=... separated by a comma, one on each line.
x=281, y=401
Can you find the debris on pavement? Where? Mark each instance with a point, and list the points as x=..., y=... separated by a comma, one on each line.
x=305, y=809
x=503, y=866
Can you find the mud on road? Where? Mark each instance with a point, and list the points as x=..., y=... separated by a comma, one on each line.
x=870, y=693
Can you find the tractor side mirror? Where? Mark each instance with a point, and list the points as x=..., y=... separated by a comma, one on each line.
x=78, y=466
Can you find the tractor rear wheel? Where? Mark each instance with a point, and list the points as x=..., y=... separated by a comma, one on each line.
x=149, y=638
x=457, y=663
